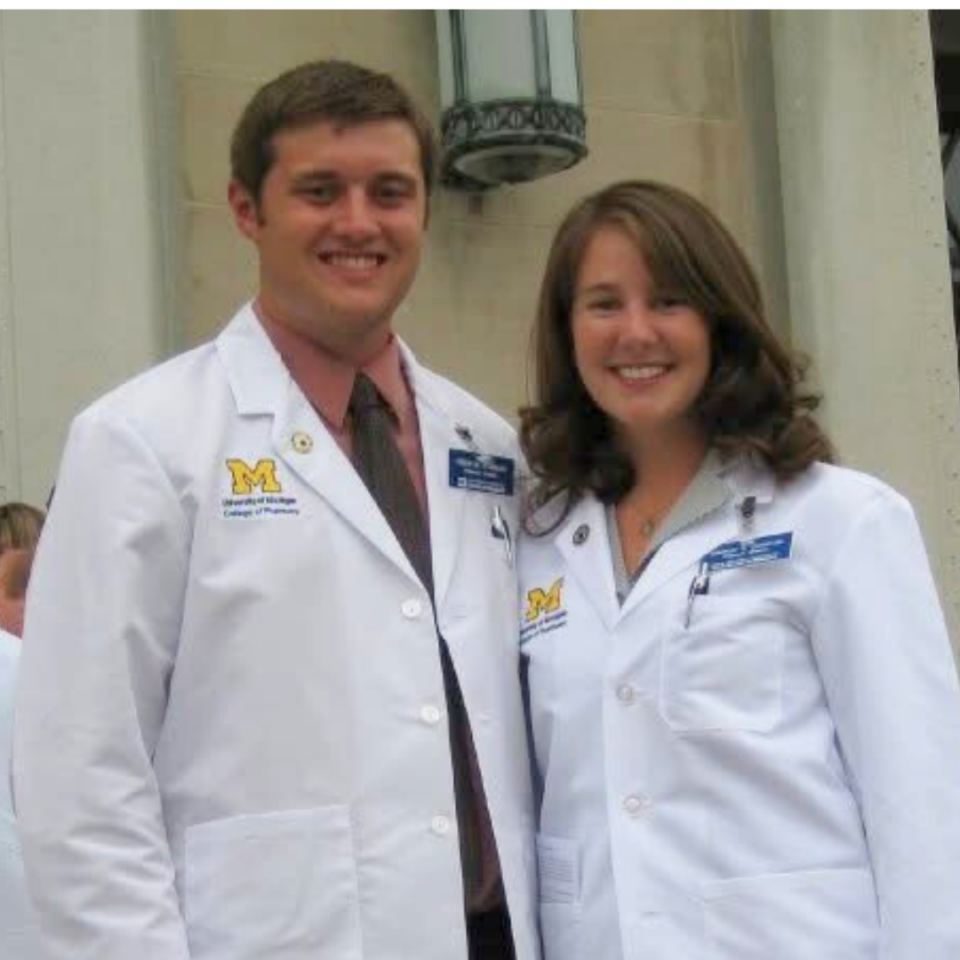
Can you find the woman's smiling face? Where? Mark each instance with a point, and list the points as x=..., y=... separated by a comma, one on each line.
x=642, y=353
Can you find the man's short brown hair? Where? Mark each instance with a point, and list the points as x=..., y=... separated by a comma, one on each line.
x=334, y=90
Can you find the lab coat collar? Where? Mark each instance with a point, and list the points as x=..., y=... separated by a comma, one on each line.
x=438, y=435
x=589, y=559
x=683, y=552
x=585, y=546
x=257, y=376
x=262, y=386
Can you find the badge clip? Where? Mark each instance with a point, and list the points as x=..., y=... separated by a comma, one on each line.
x=500, y=529
x=699, y=586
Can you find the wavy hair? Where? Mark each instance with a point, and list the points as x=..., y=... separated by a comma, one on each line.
x=753, y=400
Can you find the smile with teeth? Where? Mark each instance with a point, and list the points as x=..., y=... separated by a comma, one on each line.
x=353, y=261
x=649, y=371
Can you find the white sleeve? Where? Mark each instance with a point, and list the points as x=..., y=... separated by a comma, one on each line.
x=103, y=620
x=883, y=651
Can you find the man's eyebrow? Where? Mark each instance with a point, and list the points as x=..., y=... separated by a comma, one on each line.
x=313, y=176
x=396, y=175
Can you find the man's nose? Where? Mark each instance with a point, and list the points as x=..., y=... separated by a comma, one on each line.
x=356, y=215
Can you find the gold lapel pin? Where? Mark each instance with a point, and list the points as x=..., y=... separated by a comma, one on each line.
x=302, y=442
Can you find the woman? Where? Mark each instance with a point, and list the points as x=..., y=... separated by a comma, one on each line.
x=743, y=702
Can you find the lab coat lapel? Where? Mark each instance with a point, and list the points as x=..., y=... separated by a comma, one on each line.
x=262, y=386
x=583, y=542
x=683, y=552
x=445, y=504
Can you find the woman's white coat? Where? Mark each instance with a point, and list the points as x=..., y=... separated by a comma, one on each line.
x=778, y=779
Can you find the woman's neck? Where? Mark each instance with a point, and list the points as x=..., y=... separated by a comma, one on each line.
x=666, y=461
x=665, y=465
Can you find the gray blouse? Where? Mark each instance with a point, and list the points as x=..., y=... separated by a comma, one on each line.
x=706, y=492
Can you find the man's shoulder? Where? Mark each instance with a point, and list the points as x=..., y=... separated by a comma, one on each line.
x=159, y=391
x=469, y=410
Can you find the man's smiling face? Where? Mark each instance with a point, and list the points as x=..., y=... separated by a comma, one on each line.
x=339, y=228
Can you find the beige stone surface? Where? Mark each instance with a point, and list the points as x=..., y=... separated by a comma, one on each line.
x=222, y=270
x=210, y=107
x=672, y=62
x=702, y=157
x=470, y=313
x=259, y=44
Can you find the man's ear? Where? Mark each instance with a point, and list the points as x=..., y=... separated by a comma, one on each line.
x=246, y=211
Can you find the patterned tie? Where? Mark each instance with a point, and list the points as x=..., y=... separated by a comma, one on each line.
x=381, y=467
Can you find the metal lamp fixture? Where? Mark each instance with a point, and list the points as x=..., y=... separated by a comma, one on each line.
x=511, y=96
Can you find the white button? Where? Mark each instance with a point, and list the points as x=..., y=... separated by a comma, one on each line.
x=440, y=826
x=626, y=693
x=636, y=804
x=411, y=609
x=430, y=714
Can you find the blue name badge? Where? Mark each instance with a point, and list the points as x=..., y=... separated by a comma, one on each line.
x=748, y=553
x=482, y=473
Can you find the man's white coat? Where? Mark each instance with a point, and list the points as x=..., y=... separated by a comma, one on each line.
x=232, y=740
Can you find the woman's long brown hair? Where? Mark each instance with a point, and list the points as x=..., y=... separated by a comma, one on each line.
x=753, y=400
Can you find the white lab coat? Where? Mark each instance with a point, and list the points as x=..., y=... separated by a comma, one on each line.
x=17, y=929
x=231, y=735
x=780, y=779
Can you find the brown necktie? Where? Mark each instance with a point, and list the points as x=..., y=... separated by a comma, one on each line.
x=381, y=467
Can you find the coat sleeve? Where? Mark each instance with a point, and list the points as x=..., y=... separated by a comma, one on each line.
x=891, y=684
x=103, y=619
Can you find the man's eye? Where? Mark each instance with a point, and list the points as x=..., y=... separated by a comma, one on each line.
x=321, y=192
x=392, y=192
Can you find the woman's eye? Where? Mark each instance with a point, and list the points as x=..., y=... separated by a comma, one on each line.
x=603, y=305
x=668, y=302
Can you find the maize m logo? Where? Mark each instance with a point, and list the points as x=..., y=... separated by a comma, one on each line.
x=541, y=602
x=246, y=479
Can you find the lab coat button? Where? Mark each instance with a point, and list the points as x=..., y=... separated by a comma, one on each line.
x=440, y=826
x=626, y=693
x=636, y=804
x=430, y=715
x=411, y=609
x=581, y=535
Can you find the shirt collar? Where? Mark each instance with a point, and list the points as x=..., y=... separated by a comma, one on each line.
x=327, y=381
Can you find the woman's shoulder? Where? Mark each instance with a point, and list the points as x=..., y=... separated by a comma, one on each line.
x=826, y=486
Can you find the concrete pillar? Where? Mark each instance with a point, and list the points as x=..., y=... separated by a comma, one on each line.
x=869, y=282
x=86, y=273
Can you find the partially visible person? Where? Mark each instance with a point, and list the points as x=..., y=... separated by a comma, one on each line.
x=744, y=705
x=20, y=527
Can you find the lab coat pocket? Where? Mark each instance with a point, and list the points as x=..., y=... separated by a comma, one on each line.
x=558, y=870
x=805, y=915
x=724, y=669
x=272, y=885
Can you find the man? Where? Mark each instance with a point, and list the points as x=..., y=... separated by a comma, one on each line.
x=269, y=703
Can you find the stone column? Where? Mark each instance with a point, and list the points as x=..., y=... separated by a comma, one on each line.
x=86, y=267
x=869, y=282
